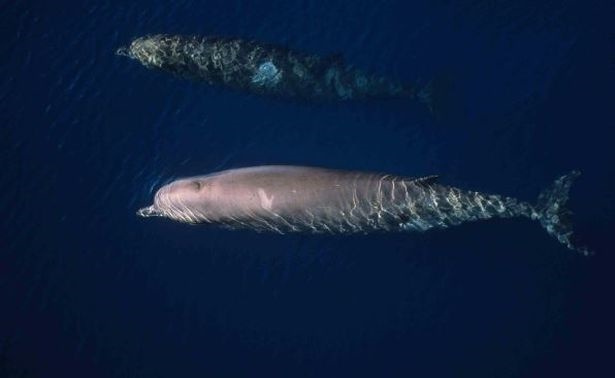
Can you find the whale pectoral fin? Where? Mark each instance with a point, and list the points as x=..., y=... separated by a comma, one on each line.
x=427, y=180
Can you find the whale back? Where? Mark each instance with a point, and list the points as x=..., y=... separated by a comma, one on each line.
x=295, y=198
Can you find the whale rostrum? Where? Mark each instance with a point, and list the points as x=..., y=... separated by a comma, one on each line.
x=286, y=199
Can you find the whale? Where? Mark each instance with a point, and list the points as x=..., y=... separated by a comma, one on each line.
x=285, y=199
x=266, y=69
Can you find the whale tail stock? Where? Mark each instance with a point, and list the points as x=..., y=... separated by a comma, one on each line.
x=553, y=215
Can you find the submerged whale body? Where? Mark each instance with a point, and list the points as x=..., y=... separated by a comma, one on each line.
x=315, y=200
x=264, y=69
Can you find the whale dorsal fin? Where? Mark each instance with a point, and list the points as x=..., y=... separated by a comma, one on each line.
x=427, y=180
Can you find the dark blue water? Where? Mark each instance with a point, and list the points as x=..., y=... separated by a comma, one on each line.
x=87, y=289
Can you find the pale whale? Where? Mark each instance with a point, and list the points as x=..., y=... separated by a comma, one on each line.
x=317, y=200
x=266, y=69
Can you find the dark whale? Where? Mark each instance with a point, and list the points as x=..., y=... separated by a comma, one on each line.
x=265, y=69
x=315, y=200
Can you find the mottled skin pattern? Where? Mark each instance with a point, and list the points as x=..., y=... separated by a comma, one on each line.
x=259, y=68
x=314, y=200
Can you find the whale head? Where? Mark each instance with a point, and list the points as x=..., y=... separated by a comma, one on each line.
x=181, y=200
x=152, y=51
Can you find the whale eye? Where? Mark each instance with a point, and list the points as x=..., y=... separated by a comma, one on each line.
x=196, y=185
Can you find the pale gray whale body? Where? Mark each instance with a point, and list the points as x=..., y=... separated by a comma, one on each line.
x=264, y=69
x=315, y=200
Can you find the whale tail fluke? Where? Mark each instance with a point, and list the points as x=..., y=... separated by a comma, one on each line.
x=553, y=214
x=436, y=95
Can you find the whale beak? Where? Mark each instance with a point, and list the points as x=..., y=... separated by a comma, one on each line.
x=123, y=51
x=150, y=211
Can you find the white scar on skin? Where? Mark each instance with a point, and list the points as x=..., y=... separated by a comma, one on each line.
x=266, y=202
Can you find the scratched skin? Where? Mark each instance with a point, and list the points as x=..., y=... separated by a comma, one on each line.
x=262, y=69
x=315, y=200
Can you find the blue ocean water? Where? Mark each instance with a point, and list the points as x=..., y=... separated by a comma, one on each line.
x=89, y=289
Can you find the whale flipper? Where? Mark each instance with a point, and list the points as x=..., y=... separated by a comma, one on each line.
x=553, y=214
